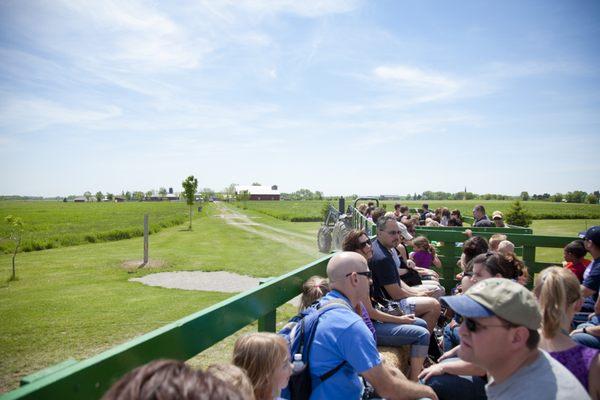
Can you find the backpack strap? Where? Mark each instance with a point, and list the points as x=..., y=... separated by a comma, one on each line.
x=333, y=303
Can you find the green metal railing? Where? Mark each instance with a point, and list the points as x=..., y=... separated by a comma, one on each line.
x=185, y=338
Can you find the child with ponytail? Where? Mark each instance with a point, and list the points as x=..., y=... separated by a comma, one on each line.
x=559, y=296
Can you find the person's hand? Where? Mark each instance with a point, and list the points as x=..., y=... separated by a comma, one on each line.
x=411, y=264
x=407, y=319
x=468, y=233
x=434, y=370
x=449, y=354
x=429, y=393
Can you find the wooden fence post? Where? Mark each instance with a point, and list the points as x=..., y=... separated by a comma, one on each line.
x=145, y=239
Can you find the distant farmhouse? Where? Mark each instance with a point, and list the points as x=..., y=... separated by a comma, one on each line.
x=259, y=192
x=80, y=199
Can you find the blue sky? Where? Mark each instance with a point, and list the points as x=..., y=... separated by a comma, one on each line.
x=382, y=97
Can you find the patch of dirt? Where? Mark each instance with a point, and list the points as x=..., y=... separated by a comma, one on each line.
x=135, y=264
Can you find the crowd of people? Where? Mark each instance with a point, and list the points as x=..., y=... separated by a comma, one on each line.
x=490, y=338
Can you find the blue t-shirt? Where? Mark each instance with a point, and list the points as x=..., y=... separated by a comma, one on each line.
x=341, y=335
x=592, y=282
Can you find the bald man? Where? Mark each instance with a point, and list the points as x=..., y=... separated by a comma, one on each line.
x=343, y=337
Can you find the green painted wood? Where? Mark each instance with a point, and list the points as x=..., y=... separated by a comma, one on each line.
x=180, y=340
x=46, y=371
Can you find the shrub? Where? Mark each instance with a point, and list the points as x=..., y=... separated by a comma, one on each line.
x=517, y=215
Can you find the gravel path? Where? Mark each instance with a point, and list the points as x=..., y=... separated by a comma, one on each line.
x=217, y=281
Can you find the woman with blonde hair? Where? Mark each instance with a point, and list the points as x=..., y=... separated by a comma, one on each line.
x=559, y=295
x=265, y=358
x=313, y=289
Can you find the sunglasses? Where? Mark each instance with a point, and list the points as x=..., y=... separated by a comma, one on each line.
x=362, y=245
x=474, y=326
x=368, y=274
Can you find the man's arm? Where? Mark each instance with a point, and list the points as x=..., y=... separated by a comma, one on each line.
x=392, y=385
x=395, y=291
x=455, y=367
x=585, y=291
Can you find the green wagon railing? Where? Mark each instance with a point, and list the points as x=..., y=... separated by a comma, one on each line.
x=185, y=338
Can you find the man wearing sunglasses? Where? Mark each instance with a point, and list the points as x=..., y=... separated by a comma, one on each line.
x=343, y=339
x=499, y=333
x=387, y=285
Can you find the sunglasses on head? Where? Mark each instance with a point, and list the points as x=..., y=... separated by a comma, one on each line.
x=368, y=274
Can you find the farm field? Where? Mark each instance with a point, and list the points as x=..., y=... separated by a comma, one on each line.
x=52, y=224
x=311, y=210
x=76, y=301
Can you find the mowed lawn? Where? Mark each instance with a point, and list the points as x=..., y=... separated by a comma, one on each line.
x=76, y=301
x=552, y=227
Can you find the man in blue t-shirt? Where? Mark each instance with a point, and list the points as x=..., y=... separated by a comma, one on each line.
x=591, y=284
x=342, y=336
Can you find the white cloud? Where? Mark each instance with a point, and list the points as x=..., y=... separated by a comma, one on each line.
x=34, y=114
x=424, y=86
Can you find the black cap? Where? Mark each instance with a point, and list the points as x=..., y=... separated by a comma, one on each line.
x=592, y=234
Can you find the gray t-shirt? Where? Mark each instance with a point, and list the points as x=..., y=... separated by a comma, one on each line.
x=543, y=379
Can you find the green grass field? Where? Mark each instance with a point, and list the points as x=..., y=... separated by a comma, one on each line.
x=311, y=210
x=76, y=301
x=52, y=224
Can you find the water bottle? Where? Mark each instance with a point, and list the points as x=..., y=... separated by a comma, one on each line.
x=297, y=364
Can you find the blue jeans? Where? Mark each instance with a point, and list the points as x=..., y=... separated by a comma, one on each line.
x=585, y=338
x=395, y=335
x=451, y=338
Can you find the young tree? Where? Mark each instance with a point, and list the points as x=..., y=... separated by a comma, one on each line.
x=99, y=196
x=190, y=185
x=16, y=234
x=517, y=215
x=87, y=195
x=524, y=196
x=110, y=196
x=162, y=191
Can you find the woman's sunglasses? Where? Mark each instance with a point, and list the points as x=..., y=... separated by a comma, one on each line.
x=362, y=245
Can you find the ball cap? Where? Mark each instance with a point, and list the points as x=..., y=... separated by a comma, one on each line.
x=592, y=234
x=497, y=215
x=500, y=297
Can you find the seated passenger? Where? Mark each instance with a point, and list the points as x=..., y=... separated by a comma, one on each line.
x=265, y=358
x=461, y=378
x=391, y=330
x=499, y=333
x=234, y=375
x=591, y=283
x=495, y=240
x=574, y=254
x=559, y=296
x=498, y=219
x=341, y=338
x=387, y=284
x=172, y=380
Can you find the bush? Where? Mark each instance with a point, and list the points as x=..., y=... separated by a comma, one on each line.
x=517, y=215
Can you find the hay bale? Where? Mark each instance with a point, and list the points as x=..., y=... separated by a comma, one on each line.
x=397, y=357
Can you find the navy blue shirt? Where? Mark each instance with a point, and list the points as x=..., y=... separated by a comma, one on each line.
x=592, y=282
x=385, y=272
